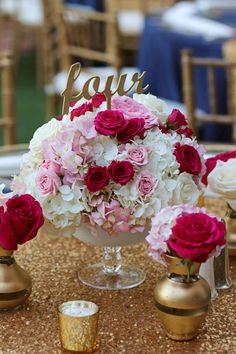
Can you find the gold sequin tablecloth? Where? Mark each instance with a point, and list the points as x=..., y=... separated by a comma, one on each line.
x=128, y=318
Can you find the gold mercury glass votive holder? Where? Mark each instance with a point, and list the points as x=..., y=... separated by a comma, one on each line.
x=78, y=326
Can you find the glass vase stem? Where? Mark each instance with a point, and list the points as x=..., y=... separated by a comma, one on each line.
x=112, y=260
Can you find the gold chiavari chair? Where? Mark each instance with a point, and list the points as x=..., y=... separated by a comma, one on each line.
x=7, y=120
x=189, y=63
x=72, y=34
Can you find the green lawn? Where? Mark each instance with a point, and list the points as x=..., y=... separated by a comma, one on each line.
x=30, y=100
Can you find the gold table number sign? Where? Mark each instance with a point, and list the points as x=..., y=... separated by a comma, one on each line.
x=93, y=84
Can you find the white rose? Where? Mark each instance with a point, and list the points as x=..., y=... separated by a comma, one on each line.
x=186, y=191
x=150, y=101
x=46, y=131
x=222, y=181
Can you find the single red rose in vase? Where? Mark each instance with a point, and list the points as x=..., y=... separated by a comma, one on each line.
x=96, y=178
x=176, y=120
x=133, y=127
x=188, y=158
x=195, y=236
x=98, y=99
x=81, y=110
x=25, y=217
x=109, y=122
x=212, y=161
x=121, y=172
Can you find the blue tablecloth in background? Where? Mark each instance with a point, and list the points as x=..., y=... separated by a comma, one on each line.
x=95, y=4
x=159, y=55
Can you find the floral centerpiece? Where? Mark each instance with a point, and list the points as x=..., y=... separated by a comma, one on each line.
x=220, y=177
x=111, y=170
x=20, y=219
x=187, y=232
x=94, y=164
x=182, y=237
x=220, y=182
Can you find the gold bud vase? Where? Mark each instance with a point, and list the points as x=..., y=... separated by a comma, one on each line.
x=230, y=220
x=182, y=300
x=15, y=282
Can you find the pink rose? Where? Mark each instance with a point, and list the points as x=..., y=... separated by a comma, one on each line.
x=195, y=236
x=133, y=127
x=98, y=99
x=132, y=109
x=146, y=184
x=121, y=172
x=51, y=165
x=109, y=122
x=176, y=120
x=138, y=155
x=47, y=181
x=81, y=110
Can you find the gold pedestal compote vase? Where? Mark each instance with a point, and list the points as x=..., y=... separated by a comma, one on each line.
x=182, y=299
x=111, y=273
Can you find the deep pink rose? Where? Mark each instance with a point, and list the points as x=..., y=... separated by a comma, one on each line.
x=96, y=178
x=81, y=110
x=109, y=122
x=212, y=161
x=48, y=182
x=121, y=172
x=176, y=120
x=138, y=155
x=185, y=131
x=25, y=217
x=98, y=99
x=163, y=129
x=8, y=240
x=133, y=127
x=195, y=236
x=146, y=184
x=188, y=158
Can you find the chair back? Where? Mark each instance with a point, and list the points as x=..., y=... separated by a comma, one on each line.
x=189, y=63
x=7, y=120
x=54, y=44
x=71, y=34
x=141, y=5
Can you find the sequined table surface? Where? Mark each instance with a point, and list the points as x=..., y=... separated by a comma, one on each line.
x=128, y=319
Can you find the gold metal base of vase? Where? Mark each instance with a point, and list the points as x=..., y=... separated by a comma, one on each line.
x=15, y=283
x=182, y=303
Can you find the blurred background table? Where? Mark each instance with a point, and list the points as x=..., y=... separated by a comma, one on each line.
x=128, y=319
x=160, y=55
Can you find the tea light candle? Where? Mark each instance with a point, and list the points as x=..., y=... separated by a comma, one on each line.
x=78, y=325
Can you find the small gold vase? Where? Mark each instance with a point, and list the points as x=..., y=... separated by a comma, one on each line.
x=15, y=282
x=230, y=220
x=182, y=301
